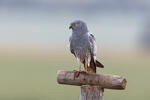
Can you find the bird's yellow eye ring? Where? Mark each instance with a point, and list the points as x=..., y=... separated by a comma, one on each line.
x=75, y=24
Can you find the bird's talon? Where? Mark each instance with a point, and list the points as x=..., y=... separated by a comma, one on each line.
x=85, y=71
x=77, y=72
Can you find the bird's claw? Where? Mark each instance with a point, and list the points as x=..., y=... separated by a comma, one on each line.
x=85, y=71
x=77, y=72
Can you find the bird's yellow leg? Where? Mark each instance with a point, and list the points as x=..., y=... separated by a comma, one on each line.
x=78, y=71
x=79, y=68
x=85, y=66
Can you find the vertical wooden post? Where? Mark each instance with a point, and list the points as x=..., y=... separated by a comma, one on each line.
x=91, y=92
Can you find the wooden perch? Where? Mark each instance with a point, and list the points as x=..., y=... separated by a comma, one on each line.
x=102, y=80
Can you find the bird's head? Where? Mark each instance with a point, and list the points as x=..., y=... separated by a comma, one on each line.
x=78, y=25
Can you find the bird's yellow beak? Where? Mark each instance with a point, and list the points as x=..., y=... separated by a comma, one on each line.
x=70, y=27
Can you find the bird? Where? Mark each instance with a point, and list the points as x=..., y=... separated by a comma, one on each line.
x=83, y=45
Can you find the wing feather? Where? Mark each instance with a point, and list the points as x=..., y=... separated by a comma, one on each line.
x=71, y=48
x=92, y=45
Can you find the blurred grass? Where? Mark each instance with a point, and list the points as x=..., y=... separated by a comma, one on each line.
x=33, y=77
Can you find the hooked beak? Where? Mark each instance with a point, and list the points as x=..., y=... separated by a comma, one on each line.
x=70, y=27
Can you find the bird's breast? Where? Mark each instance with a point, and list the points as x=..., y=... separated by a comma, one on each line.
x=81, y=46
x=80, y=43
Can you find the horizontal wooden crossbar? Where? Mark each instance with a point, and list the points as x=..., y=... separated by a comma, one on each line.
x=102, y=80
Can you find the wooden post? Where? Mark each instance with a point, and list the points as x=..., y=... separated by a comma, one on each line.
x=92, y=84
x=89, y=92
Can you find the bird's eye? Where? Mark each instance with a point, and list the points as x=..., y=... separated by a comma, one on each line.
x=75, y=24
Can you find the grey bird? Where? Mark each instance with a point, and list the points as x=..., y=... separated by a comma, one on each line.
x=83, y=45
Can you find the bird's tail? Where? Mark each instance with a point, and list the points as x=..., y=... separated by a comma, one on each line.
x=94, y=64
x=98, y=64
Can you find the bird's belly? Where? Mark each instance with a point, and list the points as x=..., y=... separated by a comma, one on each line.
x=82, y=53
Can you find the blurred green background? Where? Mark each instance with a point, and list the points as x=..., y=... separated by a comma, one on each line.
x=34, y=46
x=33, y=76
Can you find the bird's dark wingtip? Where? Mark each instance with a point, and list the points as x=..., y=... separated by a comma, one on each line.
x=98, y=64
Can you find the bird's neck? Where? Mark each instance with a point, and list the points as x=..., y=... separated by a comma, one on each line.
x=75, y=33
